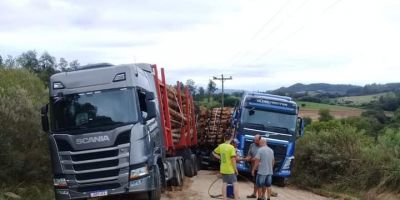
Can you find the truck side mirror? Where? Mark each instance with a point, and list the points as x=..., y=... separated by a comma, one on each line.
x=301, y=127
x=45, y=119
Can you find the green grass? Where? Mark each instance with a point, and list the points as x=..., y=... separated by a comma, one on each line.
x=318, y=106
x=359, y=100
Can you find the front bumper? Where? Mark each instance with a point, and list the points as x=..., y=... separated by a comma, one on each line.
x=143, y=184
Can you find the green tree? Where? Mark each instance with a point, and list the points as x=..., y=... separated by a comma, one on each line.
x=74, y=65
x=211, y=88
x=1, y=61
x=29, y=61
x=324, y=115
x=191, y=86
x=47, y=67
x=63, y=65
x=10, y=62
x=201, y=92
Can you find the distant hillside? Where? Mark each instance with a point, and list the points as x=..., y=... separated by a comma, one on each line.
x=338, y=89
x=318, y=88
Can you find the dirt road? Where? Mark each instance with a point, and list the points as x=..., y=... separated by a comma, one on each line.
x=196, y=188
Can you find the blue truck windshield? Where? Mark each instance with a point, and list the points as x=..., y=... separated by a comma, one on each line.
x=269, y=119
x=94, y=109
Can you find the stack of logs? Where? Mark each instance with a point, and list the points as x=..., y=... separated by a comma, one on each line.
x=177, y=110
x=213, y=124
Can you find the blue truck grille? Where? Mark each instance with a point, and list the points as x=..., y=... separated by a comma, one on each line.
x=279, y=153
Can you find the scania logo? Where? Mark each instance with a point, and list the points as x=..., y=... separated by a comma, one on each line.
x=102, y=138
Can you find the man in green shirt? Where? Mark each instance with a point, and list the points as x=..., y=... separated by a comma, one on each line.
x=226, y=153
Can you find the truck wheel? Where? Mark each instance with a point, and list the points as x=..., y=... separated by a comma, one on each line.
x=195, y=167
x=280, y=181
x=188, y=165
x=181, y=170
x=177, y=180
x=156, y=193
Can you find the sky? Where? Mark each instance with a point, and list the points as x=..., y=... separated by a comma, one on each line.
x=262, y=44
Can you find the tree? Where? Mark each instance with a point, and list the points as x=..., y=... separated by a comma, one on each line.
x=325, y=115
x=211, y=88
x=47, y=67
x=201, y=92
x=1, y=61
x=29, y=61
x=191, y=86
x=47, y=61
x=63, y=65
x=10, y=62
x=74, y=65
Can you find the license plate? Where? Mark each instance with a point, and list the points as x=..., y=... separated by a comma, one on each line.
x=98, y=193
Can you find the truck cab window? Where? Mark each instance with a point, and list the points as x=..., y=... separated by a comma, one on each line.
x=142, y=102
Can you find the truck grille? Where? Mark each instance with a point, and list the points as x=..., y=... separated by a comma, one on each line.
x=93, y=166
x=279, y=153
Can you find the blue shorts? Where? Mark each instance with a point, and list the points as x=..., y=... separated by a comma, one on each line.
x=263, y=180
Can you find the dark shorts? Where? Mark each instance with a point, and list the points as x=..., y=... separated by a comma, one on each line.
x=263, y=180
x=229, y=178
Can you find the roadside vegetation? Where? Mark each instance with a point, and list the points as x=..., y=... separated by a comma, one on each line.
x=359, y=156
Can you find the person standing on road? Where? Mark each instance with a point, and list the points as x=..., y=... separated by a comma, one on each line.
x=264, y=162
x=253, y=148
x=226, y=153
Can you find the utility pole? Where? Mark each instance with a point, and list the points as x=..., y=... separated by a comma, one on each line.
x=222, y=79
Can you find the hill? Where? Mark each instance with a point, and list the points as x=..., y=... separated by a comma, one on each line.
x=317, y=88
x=337, y=89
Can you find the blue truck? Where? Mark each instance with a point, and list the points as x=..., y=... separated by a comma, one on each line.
x=274, y=118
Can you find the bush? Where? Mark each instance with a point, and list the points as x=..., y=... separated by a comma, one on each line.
x=307, y=121
x=24, y=154
x=340, y=156
x=324, y=115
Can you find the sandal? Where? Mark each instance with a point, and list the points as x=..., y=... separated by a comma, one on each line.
x=251, y=196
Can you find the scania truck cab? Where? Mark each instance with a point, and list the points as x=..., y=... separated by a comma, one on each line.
x=272, y=117
x=105, y=135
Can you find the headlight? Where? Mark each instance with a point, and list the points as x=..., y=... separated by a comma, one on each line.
x=139, y=172
x=286, y=165
x=60, y=182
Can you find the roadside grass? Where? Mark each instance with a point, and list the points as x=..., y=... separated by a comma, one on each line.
x=32, y=191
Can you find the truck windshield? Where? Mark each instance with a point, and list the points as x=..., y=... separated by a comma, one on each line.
x=96, y=109
x=270, y=119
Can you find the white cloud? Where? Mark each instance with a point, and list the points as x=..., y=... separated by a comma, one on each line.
x=264, y=44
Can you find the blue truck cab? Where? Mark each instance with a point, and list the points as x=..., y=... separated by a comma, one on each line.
x=272, y=117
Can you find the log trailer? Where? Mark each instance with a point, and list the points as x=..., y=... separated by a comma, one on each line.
x=118, y=129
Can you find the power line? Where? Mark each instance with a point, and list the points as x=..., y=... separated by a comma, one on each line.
x=268, y=35
x=268, y=51
x=263, y=27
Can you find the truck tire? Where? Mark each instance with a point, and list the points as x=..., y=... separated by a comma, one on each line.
x=188, y=165
x=280, y=181
x=181, y=169
x=195, y=166
x=156, y=193
x=177, y=179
